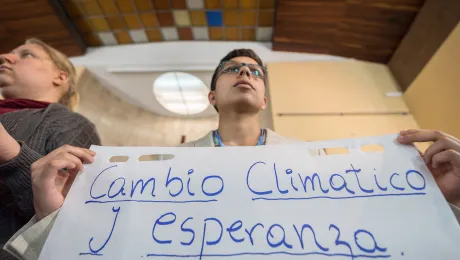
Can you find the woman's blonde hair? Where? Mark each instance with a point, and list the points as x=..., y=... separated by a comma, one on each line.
x=70, y=98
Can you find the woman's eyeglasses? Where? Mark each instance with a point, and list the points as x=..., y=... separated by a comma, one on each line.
x=233, y=67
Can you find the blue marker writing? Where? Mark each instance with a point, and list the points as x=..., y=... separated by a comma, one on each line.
x=344, y=183
x=392, y=184
x=356, y=171
x=162, y=222
x=121, y=190
x=210, y=242
x=249, y=232
x=237, y=225
x=312, y=181
x=300, y=236
x=169, y=181
x=277, y=182
x=189, y=230
x=249, y=186
x=419, y=174
x=188, y=183
x=92, y=185
x=215, y=193
x=143, y=186
x=95, y=251
x=289, y=172
x=368, y=250
x=282, y=240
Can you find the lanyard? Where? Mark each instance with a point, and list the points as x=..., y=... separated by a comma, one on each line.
x=260, y=142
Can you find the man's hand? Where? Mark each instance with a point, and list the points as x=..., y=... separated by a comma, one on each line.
x=442, y=158
x=53, y=175
x=9, y=147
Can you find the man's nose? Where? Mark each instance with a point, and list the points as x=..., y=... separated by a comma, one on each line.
x=10, y=58
x=244, y=71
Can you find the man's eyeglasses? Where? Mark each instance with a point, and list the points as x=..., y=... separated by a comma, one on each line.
x=233, y=67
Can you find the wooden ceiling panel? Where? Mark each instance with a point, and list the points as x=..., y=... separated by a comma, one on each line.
x=307, y=25
x=309, y=14
x=22, y=19
x=11, y=8
x=300, y=47
x=362, y=29
x=360, y=53
x=311, y=10
x=312, y=36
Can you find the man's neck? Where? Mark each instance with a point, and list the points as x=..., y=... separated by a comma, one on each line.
x=239, y=130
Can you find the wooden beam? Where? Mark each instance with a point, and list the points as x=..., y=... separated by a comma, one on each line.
x=22, y=19
x=433, y=24
x=68, y=23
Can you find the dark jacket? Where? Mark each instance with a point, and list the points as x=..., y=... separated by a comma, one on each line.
x=56, y=127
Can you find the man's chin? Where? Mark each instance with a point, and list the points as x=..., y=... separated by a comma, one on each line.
x=4, y=86
x=246, y=106
x=5, y=81
x=6, y=91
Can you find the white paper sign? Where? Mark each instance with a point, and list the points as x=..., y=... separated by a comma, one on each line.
x=272, y=202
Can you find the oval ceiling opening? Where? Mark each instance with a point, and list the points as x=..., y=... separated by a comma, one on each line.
x=181, y=93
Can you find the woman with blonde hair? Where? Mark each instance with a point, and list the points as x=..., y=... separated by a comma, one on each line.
x=37, y=83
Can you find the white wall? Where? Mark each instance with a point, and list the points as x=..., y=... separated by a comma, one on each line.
x=145, y=60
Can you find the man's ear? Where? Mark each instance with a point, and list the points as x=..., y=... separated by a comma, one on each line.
x=212, y=97
x=264, y=105
x=60, y=79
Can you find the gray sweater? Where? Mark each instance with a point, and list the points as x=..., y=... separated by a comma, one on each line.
x=58, y=127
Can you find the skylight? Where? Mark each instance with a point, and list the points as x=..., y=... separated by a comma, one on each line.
x=181, y=93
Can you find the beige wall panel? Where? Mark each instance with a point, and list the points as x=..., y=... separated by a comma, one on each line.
x=434, y=96
x=332, y=87
x=316, y=128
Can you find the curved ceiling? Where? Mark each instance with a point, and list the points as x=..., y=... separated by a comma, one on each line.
x=368, y=30
x=363, y=29
x=114, y=22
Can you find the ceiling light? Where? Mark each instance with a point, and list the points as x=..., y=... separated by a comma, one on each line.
x=181, y=93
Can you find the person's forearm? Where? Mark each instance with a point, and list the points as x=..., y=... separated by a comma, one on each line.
x=9, y=149
x=15, y=176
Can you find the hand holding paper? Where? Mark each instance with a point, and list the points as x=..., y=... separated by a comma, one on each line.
x=285, y=204
x=51, y=182
x=273, y=202
x=442, y=158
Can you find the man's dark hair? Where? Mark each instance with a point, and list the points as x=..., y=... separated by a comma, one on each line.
x=233, y=54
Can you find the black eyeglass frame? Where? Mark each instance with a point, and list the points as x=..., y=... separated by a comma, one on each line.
x=263, y=68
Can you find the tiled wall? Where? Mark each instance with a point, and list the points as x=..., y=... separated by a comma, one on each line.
x=112, y=22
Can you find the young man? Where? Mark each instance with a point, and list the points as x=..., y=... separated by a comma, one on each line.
x=34, y=78
x=238, y=93
x=238, y=88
